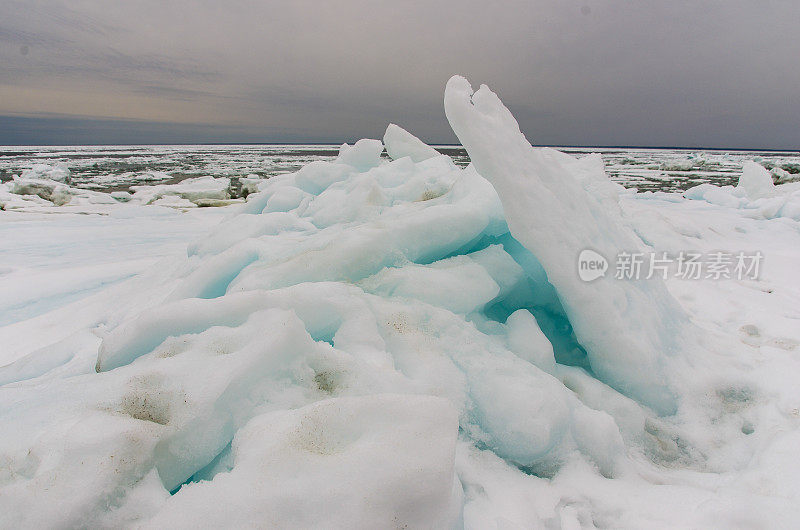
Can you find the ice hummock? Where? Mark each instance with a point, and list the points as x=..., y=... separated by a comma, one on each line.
x=386, y=343
x=556, y=207
x=364, y=277
x=57, y=173
x=755, y=194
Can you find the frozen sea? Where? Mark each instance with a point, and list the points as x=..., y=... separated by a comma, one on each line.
x=108, y=168
x=384, y=335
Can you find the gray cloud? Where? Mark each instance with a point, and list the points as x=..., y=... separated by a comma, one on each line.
x=708, y=73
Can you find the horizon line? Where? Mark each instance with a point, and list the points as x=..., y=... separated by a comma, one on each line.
x=434, y=145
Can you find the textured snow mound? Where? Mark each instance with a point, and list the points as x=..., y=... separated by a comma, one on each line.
x=337, y=448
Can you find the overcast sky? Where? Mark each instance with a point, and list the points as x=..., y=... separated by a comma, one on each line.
x=647, y=73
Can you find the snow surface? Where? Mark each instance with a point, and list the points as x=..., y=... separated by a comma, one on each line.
x=397, y=343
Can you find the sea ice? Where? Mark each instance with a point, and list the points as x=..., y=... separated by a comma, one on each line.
x=755, y=194
x=401, y=143
x=756, y=181
x=373, y=342
x=58, y=173
x=190, y=190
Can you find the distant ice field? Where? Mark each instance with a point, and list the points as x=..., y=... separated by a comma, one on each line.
x=116, y=168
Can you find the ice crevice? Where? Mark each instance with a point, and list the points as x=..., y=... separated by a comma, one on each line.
x=355, y=329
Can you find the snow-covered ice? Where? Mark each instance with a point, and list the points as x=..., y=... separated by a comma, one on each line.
x=755, y=193
x=373, y=342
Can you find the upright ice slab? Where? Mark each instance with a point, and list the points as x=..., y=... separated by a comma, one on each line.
x=628, y=328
